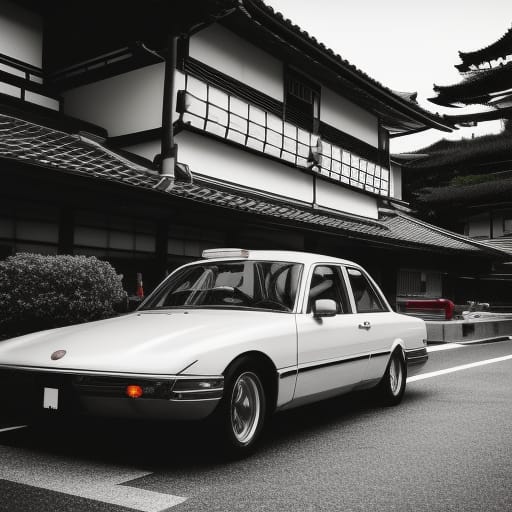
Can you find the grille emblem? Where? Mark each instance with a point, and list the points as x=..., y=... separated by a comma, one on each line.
x=58, y=354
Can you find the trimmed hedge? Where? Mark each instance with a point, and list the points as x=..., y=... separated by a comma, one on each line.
x=42, y=292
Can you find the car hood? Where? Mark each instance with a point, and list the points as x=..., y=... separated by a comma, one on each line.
x=155, y=342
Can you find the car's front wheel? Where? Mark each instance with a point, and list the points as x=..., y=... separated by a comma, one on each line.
x=392, y=385
x=242, y=412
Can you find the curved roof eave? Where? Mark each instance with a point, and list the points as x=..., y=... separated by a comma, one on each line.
x=394, y=101
x=500, y=48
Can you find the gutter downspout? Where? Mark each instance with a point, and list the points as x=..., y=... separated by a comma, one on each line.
x=169, y=150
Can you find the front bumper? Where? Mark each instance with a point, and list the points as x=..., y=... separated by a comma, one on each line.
x=167, y=397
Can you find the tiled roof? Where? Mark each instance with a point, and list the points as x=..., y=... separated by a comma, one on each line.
x=494, y=190
x=500, y=48
x=414, y=231
x=45, y=147
x=503, y=244
x=462, y=153
x=39, y=145
x=407, y=100
x=476, y=88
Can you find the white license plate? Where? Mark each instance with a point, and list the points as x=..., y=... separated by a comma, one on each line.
x=51, y=398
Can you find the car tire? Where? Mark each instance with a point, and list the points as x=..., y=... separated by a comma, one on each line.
x=241, y=415
x=392, y=385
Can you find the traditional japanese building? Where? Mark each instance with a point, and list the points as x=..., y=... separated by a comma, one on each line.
x=487, y=80
x=145, y=132
x=466, y=185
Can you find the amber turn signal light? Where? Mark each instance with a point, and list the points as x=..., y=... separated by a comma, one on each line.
x=134, y=391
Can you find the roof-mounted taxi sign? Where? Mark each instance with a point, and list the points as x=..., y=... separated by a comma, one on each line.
x=225, y=253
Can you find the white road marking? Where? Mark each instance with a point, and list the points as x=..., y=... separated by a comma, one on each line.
x=428, y=375
x=84, y=479
x=444, y=346
x=12, y=428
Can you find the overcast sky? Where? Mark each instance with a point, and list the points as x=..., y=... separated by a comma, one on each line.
x=407, y=45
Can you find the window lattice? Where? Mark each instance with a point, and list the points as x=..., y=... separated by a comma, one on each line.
x=211, y=110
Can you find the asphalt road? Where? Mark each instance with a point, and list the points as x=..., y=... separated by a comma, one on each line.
x=447, y=447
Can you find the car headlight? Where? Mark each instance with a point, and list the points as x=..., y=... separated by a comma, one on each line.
x=198, y=389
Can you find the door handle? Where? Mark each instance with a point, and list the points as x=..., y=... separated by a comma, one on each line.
x=365, y=325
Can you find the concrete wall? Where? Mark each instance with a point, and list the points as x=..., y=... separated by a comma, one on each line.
x=221, y=49
x=21, y=34
x=468, y=330
x=348, y=117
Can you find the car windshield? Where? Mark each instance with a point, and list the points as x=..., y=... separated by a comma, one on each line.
x=247, y=284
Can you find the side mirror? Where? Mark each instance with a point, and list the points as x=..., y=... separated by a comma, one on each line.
x=133, y=302
x=325, y=307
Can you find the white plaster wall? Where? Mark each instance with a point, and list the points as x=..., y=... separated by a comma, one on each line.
x=497, y=226
x=434, y=284
x=221, y=49
x=126, y=103
x=21, y=34
x=145, y=149
x=219, y=161
x=479, y=226
x=213, y=159
x=396, y=181
x=337, y=197
x=348, y=117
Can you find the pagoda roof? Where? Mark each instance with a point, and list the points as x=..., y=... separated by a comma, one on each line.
x=477, y=88
x=494, y=190
x=449, y=154
x=489, y=115
x=500, y=48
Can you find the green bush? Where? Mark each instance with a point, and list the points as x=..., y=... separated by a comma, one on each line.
x=41, y=292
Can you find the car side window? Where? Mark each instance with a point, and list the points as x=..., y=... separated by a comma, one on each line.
x=326, y=283
x=366, y=298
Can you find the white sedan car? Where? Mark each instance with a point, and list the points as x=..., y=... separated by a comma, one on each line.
x=233, y=337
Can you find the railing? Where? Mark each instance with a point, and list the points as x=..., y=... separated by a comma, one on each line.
x=92, y=64
x=214, y=111
x=26, y=82
x=428, y=309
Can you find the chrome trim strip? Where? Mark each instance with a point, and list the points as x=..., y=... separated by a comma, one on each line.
x=207, y=390
x=69, y=371
x=379, y=354
x=194, y=400
x=335, y=362
x=288, y=372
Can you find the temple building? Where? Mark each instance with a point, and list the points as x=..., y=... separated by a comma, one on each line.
x=487, y=80
x=146, y=132
x=466, y=185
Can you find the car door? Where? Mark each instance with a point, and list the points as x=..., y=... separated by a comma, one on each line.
x=329, y=356
x=376, y=323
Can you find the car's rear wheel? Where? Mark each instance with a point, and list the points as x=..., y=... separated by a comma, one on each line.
x=392, y=386
x=243, y=409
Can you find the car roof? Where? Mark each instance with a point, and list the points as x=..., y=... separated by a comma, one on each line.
x=306, y=258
